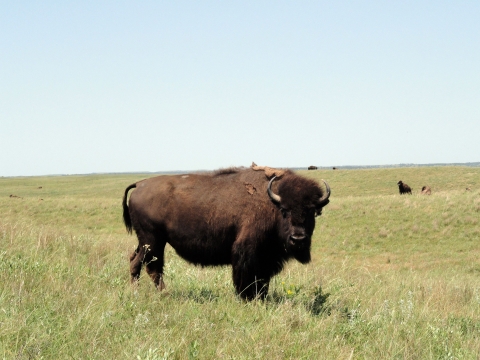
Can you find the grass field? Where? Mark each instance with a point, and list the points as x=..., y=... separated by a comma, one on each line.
x=391, y=277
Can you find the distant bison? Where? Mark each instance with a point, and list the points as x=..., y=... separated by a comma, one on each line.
x=253, y=219
x=426, y=190
x=311, y=167
x=334, y=168
x=404, y=188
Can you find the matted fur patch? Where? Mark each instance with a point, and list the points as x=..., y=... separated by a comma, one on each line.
x=269, y=172
x=250, y=188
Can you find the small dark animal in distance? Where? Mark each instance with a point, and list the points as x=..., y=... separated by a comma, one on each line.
x=334, y=168
x=311, y=167
x=404, y=188
x=426, y=190
x=15, y=196
x=253, y=220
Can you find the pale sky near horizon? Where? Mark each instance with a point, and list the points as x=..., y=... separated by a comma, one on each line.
x=109, y=86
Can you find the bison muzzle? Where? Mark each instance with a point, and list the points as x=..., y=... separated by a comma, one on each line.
x=253, y=220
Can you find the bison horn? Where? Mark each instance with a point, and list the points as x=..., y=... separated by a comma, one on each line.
x=325, y=197
x=275, y=198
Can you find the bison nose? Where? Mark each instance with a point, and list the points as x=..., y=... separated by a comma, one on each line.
x=297, y=237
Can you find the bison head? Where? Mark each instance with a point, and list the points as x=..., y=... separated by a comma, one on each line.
x=299, y=200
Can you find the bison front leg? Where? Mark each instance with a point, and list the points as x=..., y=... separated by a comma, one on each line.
x=249, y=286
x=249, y=282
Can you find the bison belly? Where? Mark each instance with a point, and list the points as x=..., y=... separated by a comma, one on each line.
x=207, y=249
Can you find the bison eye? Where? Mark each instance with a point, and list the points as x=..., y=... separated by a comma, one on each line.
x=284, y=212
x=312, y=212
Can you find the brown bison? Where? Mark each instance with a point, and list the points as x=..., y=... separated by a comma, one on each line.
x=311, y=167
x=404, y=188
x=426, y=190
x=254, y=219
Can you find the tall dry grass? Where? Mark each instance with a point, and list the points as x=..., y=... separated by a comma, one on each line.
x=391, y=277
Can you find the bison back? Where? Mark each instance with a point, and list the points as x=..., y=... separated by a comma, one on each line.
x=200, y=216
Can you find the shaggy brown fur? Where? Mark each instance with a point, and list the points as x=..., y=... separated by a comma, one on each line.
x=223, y=218
x=404, y=188
x=426, y=190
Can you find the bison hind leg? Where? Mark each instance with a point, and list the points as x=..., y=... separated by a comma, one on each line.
x=136, y=262
x=154, y=265
x=154, y=260
x=155, y=270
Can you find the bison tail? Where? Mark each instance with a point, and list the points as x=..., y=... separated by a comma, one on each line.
x=126, y=214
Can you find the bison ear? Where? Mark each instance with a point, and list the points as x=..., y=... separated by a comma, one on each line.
x=318, y=210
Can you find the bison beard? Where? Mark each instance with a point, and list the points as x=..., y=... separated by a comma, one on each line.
x=224, y=218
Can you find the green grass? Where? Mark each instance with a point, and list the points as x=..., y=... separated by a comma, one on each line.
x=391, y=277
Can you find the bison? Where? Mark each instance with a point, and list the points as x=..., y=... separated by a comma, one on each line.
x=312, y=167
x=254, y=219
x=426, y=190
x=404, y=188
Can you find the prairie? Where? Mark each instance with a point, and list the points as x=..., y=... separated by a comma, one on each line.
x=391, y=277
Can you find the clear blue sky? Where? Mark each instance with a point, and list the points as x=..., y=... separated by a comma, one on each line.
x=119, y=86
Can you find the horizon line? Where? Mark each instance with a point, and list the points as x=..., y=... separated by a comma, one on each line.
x=339, y=167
